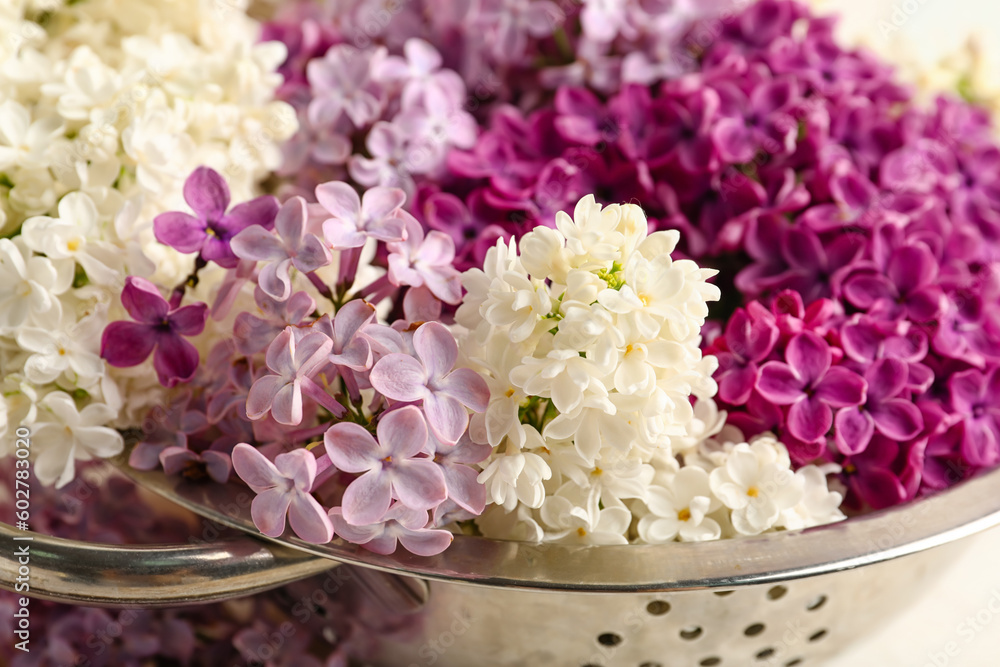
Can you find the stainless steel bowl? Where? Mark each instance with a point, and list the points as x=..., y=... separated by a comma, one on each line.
x=779, y=599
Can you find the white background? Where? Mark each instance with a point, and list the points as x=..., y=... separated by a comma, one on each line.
x=919, y=636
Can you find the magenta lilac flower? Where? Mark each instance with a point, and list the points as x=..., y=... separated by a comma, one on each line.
x=158, y=329
x=211, y=229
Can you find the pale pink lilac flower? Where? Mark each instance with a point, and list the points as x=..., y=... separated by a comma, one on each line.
x=421, y=260
x=283, y=488
x=395, y=466
x=400, y=524
x=354, y=219
x=288, y=246
x=431, y=377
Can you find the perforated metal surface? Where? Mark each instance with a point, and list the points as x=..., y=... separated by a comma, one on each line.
x=799, y=622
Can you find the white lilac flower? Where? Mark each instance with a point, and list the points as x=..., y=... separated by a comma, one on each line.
x=24, y=143
x=757, y=485
x=63, y=434
x=29, y=287
x=680, y=510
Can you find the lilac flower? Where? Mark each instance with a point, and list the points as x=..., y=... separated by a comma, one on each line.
x=872, y=476
x=976, y=397
x=166, y=427
x=211, y=229
x=430, y=377
x=283, y=488
x=761, y=122
x=393, y=467
x=253, y=334
x=420, y=260
x=748, y=341
x=195, y=465
x=436, y=121
x=857, y=202
x=289, y=246
x=460, y=477
x=350, y=347
x=354, y=219
x=886, y=409
x=807, y=382
x=292, y=362
x=341, y=85
x=400, y=523
x=392, y=159
x=908, y=287
x=157, y=327
x=420, y=67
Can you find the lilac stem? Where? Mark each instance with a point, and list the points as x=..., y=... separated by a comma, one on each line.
x=324, y=471
x=349, y=259
x=307, y=433
x=373, y=287
x=318, y=394
x=323, y=288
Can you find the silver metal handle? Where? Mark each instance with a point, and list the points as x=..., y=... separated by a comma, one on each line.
x=148, y=576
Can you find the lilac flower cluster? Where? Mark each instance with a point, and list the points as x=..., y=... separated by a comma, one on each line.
x=307, y=358
x=385, y=92
x=802, y=171
x=288, y=627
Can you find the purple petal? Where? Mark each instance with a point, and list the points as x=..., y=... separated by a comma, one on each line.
x=341, y=201
x=886, y=379
x=464, y=488
x=218, y=465
x=206, y=193
x=809, y=356
x=143, y=301
x=880, y=488
x=967, y=390
x=351, y=317
x=268, y=511
x=841, y=388
x=399, y=377
x=436, y=348
x=291, y=219
x=254, y=468
x=351, y=448
x=256, y=243
x=419, y=484
x=275, y=279
x=779, y=384
x=912, y=267
x=175, y=360
x=446, y=416
x=853, y=430
x=367, y=498
x=979, y=442
x=426, y=542
x=467, y=387
x=262, y=394
x=298, y=465
x=286, y=407
x=863, y=290
x=189, y=320
x=125, y=344
x=898, y=419
x=342, y=234
x=352, y=533
x=258, y=211
x=180, y=231
x=312, y=254
x=736, y=384
x=309, y=520
x=381, y=202
x=402, y=433
x=810, y=419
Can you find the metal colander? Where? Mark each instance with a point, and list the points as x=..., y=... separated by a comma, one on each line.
x=780, y=599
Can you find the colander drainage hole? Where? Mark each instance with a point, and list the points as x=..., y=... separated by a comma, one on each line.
x=765, y=654
x=710, y=662
x=815, y=637
x=754, y=630
x=609, y=639
x=723, y=594
x=777, y=593
x=691, y=632
x=792, y=663
x=651, y=664
x=817, y=603
x=658, y=607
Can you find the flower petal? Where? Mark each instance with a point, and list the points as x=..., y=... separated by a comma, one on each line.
x=898, y=419
x=309, y=520
x=351, y=448
x=779, y=384
x=207, y=193
x=436, y=348
x=175, y=360
x=446, y=416
x=143, y=301
x=841, y=388
x=809, y=356
x=125, y=344
x=402, y=433
x=419, y=484
x=367, y=498
x=853, y=431
x=268, y=511
x=810, y=419
x=467, y=387
x=181, y=231
x=399, y=377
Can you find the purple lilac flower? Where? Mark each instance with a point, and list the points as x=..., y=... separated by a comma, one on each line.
x=747, y=343
x=291, y=363
x=290, y=245
x=399, y=524
x=976, y=397
x=157, y=327
x=395, y=466
x=431, y=377
x=887, y=409
x=354, y=219
x=210, y=231
x=421, y=260
x=283, y=488
x=808, y=383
